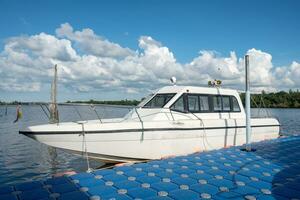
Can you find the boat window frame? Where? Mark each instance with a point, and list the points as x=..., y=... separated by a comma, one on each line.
x=210, y=103
x=198, y=101
x=185, y=106
x=200, y=111
x=231, y=104
x=213, y=105
x=145, y=100
x=238, y=103
x=165, y=103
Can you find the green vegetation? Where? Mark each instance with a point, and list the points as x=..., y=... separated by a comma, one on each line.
x=118, y=102
x=10, y=103
x=19, y=103
x=280, y=99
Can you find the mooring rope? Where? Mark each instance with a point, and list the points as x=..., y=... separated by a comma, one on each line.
x=204, y=132
x=84, y=147
x=142, y=123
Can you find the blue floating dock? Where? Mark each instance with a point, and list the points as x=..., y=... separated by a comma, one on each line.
x=271, y=172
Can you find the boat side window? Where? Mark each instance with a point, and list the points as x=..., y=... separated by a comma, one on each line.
x=178, y=105
x=159, y=100
x=217, y=103
x=235, y=105
x=226, y=103
x=193, y=103
x=204, y=103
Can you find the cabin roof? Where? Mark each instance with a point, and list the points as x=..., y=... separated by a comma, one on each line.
x=196, y=89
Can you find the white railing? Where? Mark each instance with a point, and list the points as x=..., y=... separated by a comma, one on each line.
x=45, y=107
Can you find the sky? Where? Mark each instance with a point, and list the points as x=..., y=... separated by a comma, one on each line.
x=109, y=50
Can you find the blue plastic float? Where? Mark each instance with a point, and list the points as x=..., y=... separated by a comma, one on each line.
x=271, y=172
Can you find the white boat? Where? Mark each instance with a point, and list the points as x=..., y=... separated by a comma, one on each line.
x=176, y=120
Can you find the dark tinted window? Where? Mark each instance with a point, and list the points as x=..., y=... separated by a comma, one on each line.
x=178, y=105
x=226, y=103
x=193, y=103
x=235, y=105
x=217, y=103
x=204, y=104
x=159, y=100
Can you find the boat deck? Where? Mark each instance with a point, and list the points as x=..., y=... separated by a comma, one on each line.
x=271, y=172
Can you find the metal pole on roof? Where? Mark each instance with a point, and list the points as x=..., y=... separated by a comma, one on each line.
x=247, y=104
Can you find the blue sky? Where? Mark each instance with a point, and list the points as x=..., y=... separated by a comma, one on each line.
x=184, y=27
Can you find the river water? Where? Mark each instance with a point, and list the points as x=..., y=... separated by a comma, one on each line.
x=23, y=159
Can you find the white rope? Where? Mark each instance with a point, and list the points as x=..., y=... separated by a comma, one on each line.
x=204, y=132
x=142, y=123
x=84, y=148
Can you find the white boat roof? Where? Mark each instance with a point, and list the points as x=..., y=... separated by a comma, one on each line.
x=196, y=89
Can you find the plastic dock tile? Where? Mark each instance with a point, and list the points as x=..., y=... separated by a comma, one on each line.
x=271, y=172
x=64, y=188
x=165, y=186
x=184, y=194
x=34, y=194
x=77, y=195
x=57, y=181
x=148, y=179
x=117, y=197
x=127, y=184
x=90, y=182
x=142, y=193
x=102, y=190
x=159, y=198
x=82, y=176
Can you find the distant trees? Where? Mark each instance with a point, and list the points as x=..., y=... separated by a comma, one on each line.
x=9, y=103
x=280, y=99
x=117, y=102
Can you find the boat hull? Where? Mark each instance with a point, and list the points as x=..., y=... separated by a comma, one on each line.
x=117, y=142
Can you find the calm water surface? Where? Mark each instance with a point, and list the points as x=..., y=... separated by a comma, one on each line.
x=23, y=159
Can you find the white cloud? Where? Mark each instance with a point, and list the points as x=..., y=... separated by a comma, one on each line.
x=42, y=45
x=26, y=61
x=208, y=66
x=261, y=66
x=91, y=43
x=14, y=85
x=89, y=63
x=288, y=77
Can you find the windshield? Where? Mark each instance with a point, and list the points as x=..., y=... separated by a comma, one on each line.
x=145, y=100
x=159, y=100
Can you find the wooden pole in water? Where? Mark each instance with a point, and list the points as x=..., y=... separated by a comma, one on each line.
x=247, y=104
x=53, y=106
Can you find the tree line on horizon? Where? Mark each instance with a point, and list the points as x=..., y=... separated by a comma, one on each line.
x=282, y=99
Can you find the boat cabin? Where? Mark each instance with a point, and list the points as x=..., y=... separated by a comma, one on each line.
x=223, y=103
